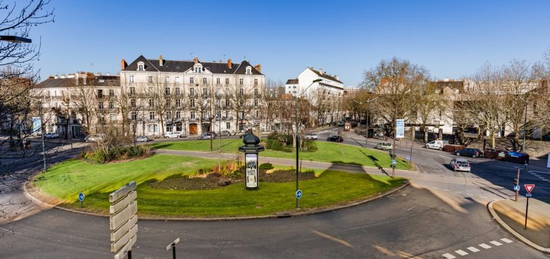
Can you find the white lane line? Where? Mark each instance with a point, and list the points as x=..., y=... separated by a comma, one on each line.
x=473, y=249
x=461, y=252
x=448, y=256
x=484, y=246
x=506, y=240
x=496, y=243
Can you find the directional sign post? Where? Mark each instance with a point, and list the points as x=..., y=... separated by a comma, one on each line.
x=516, y=184
x=298, y=194
x=173, y=247
x=528, y=188
x=123, y=220
x=81, y=197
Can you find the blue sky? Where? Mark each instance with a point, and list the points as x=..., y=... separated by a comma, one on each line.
x=450, y=38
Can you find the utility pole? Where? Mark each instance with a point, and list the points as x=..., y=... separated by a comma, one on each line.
x=43, y=140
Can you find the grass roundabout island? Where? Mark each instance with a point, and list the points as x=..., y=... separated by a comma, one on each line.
x=173, y=186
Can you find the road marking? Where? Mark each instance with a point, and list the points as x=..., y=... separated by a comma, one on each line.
x=448, y=256
x=485, y=246
x=343, y=242
x=473, y=249
x=506, y=240
x=461, y=252
x=496, y=243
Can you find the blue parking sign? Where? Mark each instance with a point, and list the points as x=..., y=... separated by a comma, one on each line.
x=81, y=196
x=298, y=194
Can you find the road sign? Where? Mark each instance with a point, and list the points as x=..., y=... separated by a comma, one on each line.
x=516, y=187
x=298, y=194
x=529, y=187
x=399, y=128
x=123, y=220
x=81, y=197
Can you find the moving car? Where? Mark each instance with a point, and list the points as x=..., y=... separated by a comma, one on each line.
x=436, y=144
x=51, y=135
x=172, y=135
x=384, y=146
x=143, y=139
x=208, y=135
x=471, y=152
x=311, y=136
x=516, y=157
x=335, y=138
x=460, y=164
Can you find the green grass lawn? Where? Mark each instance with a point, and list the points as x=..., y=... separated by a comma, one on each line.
x=330, y=188
x=327, y=152
x=65, y=180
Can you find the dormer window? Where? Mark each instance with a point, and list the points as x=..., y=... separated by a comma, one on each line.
x=197, y=68
x=141, y=66
x=249, y=70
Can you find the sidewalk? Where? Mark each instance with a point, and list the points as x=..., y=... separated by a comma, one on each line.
x=511, y=215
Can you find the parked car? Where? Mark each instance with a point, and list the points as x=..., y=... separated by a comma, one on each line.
x=453, y=148
x=172, y=134
x=379, y=135
x=208, y=135
x=143, y=139
x=384, y=146
x=95, y=138
x=225, y=133
x=436, y=144
x=516, y=157
x=311, y=136
x=341, y=124
x=498, y=154
x=335, y=138
x=51, y=135
x=471, y=152
x=460, y=164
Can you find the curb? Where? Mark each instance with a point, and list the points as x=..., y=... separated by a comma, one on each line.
x=512, y=231
x=280, y=215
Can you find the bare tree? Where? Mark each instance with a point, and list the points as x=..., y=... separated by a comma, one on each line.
x=429, y=103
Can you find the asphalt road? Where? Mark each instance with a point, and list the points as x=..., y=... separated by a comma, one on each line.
x=412, y=222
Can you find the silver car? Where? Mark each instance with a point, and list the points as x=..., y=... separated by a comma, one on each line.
x=460, y=164
x=311, y=136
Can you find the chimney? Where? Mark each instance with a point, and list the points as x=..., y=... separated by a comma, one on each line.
x=258, y=67
x=196, y=60
x=123, y=64
x=230, y=64
x=161, y=61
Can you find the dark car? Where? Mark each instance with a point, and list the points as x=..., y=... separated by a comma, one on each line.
x=335, y=138
x=516, y=157
x=471, y=152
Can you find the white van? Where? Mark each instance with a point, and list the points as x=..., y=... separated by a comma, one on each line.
x=436, y=144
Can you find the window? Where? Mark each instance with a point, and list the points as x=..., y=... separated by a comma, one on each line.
x=132, y=90
x=191, y=91
x=228, y=125
x=198, y=68
x=204, y=91
x=151, y=103
x=111, y=93
x=204, y=80
x=141, y=66
x=100, y=93
x=168, y=115
x=192, y=102
x=241, y=91
x=168, y=102
x=178, y=115
x=191, y=80
x=134, y=116
x=100, y=106
x=248, y=70
x=111, y=105
x=131, y=78
x=178, y=126
x=255, y=82
x=241, y=81
x=178, y=91
x=227, y=102
x=133, y=103
x=151, y=115
x=218, y=81
x=257, y=114
x=192, y=115
x=167, y=91
x=150, y=79
x=178, y=103
x=256, y=102
x=168, y=128
x=227, y=81
x=256, y=91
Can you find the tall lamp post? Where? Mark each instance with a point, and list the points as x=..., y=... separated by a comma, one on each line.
x=297, y=140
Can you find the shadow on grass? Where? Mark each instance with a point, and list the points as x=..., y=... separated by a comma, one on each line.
x=161, y=146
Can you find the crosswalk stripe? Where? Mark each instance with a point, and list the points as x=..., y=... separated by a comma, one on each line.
x=485, y=246
x=506, y=240
x=448, y=256
x=473, y=249
x=496, y=243
x=461, y=252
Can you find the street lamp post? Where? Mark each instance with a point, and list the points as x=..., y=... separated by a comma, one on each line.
x=298, y=109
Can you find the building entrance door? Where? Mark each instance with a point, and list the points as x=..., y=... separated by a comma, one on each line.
x=193, y=129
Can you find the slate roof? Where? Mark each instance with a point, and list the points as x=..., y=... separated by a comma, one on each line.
x=102, y=80
x=325, y=75
x=184, y=65
x=292, y=81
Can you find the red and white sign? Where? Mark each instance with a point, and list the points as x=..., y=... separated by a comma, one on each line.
x=529, y=187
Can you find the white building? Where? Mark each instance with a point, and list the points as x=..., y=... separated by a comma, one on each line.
x=304, y=86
